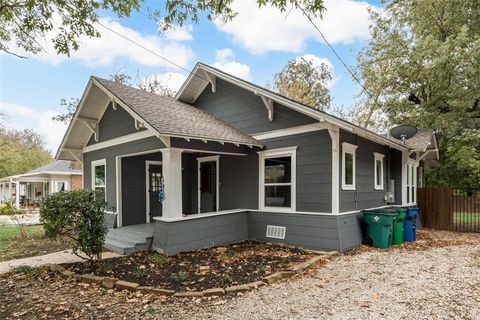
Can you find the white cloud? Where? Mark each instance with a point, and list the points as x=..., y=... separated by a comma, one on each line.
x=177, y=33
x=224, y=60
x=317, y=61
x=21, y=117
x=105, y=50
x=171, y=80
x=267, y=29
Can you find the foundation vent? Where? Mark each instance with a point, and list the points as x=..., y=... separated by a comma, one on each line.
x=276, y=232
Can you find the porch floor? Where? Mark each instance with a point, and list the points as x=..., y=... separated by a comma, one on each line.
x=129, y=239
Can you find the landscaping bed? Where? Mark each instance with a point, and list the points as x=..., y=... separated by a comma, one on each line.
x=220, y=267
x=26, y=241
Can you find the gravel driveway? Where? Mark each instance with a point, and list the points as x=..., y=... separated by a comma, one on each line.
x=441, y=282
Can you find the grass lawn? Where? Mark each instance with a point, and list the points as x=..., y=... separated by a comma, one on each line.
x=15, y=244
x=466, y=217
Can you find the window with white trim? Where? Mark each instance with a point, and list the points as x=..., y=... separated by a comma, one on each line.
x=348, y=166
x=378, y=170
x=277, y=179
x=411, y=168
x=99, y=169
x=60, y=186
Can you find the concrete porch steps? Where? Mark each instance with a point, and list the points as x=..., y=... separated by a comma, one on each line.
x=126, y=241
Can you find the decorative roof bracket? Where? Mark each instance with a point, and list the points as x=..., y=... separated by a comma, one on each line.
x=211, y=79
x=91, y=124
x=269, y=105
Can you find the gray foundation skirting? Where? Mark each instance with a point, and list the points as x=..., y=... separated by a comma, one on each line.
x=317, y=232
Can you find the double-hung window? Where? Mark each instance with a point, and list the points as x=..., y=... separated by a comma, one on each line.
x=277, y=179
x=378, y=170
x=99, y=169
x=348, y=166
x=411, y=168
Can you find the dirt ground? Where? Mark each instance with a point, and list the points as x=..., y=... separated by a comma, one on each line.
x=437, y=278
x=233, y=264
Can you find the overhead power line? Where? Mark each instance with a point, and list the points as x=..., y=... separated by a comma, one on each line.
x=371, y=96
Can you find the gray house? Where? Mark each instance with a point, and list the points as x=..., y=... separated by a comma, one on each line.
x=226, y=160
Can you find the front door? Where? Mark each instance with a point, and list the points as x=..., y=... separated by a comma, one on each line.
x=208, y=184
x=154, y=189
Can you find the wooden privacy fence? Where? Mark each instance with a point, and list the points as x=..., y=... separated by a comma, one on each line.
x=455, y=209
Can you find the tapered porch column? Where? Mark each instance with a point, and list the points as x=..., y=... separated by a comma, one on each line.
x=172, y=178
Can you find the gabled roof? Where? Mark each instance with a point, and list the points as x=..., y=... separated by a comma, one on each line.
x=173, y=118
x=203, y=74
x=164, y=117
x=57, y=166
x=423, y=141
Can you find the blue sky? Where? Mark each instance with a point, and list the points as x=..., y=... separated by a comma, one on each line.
x=254, y=46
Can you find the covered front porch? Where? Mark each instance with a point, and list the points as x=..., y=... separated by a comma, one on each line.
x=25, y=192
x=177, y=182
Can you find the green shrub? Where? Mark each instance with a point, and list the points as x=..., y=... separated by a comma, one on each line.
x=77, y=215
x=139, y=273
x=8, y=209
x=181, y=276
x=158, y=259
x=227, y=279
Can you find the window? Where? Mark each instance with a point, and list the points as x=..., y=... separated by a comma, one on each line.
x=378, y=169
x=99, y=175
x=411, y=168
x=348, y=166
x=60, y=186
x=277, y=179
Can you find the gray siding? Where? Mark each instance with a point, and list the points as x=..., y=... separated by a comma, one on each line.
x=110, y=155
x=174, y=237
x=318, y=232
x=114, y=124
x=314, y=169
x=239, y=182
x=134, y=188
x=245, y=111
x=365, y=196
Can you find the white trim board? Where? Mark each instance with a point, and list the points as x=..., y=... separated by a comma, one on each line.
x=290, y=131
x=351, y=149
x=120, y=140
x=276, y=153
x=215, y=159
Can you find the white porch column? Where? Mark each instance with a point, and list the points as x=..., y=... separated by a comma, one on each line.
x=17, y=195
x=172, y=177
x=335, y=136
x=9, y=198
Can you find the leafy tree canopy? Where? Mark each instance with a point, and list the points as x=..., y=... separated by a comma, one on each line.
x=24, y=22
x=21, y=151
x=422, y=64
x=303, y=81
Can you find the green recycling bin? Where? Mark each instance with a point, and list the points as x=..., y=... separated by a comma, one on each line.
x=380, y=226
x=398, y=231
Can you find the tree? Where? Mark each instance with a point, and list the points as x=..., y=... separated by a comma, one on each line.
x=306, y=82
x=21, y=151
x=24, y=23
x=78, y=216
x=423, y=61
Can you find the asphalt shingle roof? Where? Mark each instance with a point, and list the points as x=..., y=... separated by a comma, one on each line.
x=57, y=166
x=174, y=118
x=420, y=141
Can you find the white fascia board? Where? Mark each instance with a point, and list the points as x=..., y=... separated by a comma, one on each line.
x=74, y=118
x=294, y=105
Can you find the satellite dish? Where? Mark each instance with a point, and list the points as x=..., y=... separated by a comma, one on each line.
x=403, y=132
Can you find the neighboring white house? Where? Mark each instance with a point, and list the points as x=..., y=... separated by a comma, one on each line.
x=60, y=175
